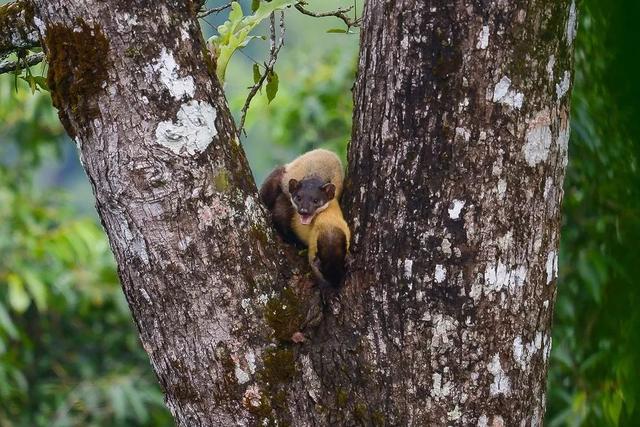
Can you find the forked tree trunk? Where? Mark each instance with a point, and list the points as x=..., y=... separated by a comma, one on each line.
x=455, y=181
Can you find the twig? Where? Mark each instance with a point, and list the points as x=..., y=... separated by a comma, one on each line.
x=213, y=10
x=8, y=65
x=274, y=49
x=340, y=13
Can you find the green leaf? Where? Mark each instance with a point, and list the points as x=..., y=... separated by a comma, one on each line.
x=256, y=73
x=37, y=289
x=272, y=86
x=255, y=4
x=42, y=82
x=7, y=324
x=234, y=33
x=337, y=30
x=18, y=298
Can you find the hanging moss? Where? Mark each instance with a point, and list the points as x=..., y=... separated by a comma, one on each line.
x=342, y=397
x=279, y=366
x=221, y=181
x=78, y=68
x=284, y=315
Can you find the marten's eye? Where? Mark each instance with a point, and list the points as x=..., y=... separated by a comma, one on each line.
x=315, y=201
x=298, y=198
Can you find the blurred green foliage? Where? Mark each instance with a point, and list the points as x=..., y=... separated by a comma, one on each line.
x=69, y=353
x=594, y=370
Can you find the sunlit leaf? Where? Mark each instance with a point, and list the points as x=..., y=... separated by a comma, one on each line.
x=272, y=86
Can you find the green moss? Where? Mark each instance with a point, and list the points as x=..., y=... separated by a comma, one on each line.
x=262, y=411
x=78, y=68
x=279, y=366
x=377, y=418
x=257, y=233
x=342, y=396
x=221, y=181
x=284, y=315
x=360, y=413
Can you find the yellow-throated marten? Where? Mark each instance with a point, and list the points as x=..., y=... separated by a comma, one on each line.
x=303, y=199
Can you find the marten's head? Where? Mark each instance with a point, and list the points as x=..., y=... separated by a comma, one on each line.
x=310, y=196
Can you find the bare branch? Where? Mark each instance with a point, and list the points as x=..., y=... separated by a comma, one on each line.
x=274, y=49
x=213, y=10
x=340, y=13
x=8, y=65
x=16, y=28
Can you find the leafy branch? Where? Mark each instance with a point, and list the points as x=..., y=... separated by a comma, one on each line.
x=234, y=33
x=340, y=13
x=269, y=75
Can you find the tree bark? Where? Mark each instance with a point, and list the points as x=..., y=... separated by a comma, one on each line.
x=454, y=188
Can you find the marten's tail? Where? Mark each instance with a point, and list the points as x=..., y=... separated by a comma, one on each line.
x=332, y=250
x=271, y=189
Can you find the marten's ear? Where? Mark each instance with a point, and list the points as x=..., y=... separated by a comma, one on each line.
x=293, y=185
x=330, y=190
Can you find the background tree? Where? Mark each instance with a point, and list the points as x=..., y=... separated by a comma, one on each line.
x=359, y=408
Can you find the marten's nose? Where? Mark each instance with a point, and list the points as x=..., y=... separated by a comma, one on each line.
x=303, y=211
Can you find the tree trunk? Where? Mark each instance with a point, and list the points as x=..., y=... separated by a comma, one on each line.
x=455, y=182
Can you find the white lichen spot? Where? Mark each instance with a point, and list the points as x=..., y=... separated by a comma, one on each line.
x=408, y=268
x=464, y=133
x=550, y=65
x=501, y=383
x=455, y=414
x=405, y=42
x=454, y=211
x=245, y=303
x=563, y=87
x=563, y=143
x=502, y=188
x=40, y=25
x=547, y=349
x=483, y=421
x=446, y=246
x=503, y=94
x=518, y=351
x=443, y=325
x=538, y=139
x=440, y=273
x=499, y=277
x=552, y=266
x=548, y=184
x=193, y=130
x=545, y=304
x=250, y=357
x=571, y=23
x=483, y=38
x=167, y=67
x=184, y=33
x=241, y=375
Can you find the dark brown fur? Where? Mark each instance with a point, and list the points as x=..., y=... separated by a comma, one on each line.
x=330, y=258
x=278, y=203
x=271, y=189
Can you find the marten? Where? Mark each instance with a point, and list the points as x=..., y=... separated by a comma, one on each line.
x=302, y=197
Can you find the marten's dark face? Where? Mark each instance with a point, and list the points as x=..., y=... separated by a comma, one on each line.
x=310, y=196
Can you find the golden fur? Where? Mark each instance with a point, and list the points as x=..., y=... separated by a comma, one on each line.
x=320, y=163
x=331, y=217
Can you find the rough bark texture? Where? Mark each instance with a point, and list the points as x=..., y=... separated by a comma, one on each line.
x=462, y=111
x=16, y=27
x=455, y=182
x=196, y=258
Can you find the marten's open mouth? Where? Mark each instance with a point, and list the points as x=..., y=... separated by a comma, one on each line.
x=306, y=219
